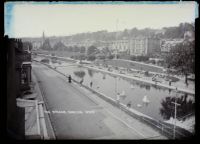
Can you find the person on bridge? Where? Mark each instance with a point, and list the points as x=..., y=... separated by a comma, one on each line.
x=69, y=79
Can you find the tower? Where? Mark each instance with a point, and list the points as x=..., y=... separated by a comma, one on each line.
x=43, y=37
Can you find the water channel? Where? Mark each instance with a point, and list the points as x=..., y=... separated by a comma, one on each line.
x=160, y=104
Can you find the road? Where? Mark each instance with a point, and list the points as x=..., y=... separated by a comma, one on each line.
x=75, y=115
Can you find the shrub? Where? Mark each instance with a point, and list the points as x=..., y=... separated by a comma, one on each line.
x=91, y=58
x=45, y=60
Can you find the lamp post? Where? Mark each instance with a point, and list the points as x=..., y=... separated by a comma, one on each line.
x=176, y=104
x=115, y=63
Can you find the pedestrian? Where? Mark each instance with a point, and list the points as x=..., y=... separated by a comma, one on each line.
x=81, y=81
x=129, y=104
x=118, y=98
x=170, y=83
x=69, y=79
x=187, y=84
x=91, y=84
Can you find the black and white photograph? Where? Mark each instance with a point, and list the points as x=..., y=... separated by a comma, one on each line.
x=112, y=70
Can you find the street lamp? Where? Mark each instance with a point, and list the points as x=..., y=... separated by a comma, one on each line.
x=116, y=64
x=176, y=104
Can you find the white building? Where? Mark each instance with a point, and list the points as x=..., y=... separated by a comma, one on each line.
x=136, y=46
x=121, y=45
x=142, y=46
x=36, y=45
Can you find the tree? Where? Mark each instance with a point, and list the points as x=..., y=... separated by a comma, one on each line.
x=80, y=74
x=27, y=46
x=45, y=60
x=182, y=58
x=76, y=49
x=82, y=49
x=110, y=56
x=91, y=58
x=167, y=107
x=91, y=50
x=46, y=45
x=133, y=58
x=59, y=46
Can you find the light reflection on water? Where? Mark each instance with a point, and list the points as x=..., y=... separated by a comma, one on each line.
x=134, y=90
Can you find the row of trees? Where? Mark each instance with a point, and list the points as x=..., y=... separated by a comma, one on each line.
x=182, y=58
x=61, y=47
x=170, y=32
x=178, y=32
x=104, y=35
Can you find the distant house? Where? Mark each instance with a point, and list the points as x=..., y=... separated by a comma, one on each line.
x=138, y=46
x=189, y=36
x=168, y=44
x=142, y=46
x=120, y=45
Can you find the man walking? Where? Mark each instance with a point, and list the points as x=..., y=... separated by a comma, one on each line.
x=69, y=79
x=91, y=84
x=81, y=81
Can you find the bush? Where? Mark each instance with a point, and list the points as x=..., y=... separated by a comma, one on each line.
x=80, y=74
x=146, y=73
x=45, y=60
x=101, y=57
x=133, y=58
x=110, y=57
x=139, y=58
x=82, y=57
x=91, y=58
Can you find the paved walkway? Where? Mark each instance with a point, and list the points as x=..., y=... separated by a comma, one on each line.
x=50, y=131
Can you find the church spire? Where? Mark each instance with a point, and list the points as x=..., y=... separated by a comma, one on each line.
x=43, y=37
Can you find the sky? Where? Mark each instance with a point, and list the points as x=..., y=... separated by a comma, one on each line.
x=30, y=19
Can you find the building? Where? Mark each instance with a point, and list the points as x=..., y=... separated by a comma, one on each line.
x=120, y=45
x=139, y=46
x=189, y=36
x=168, y=44
x=18, y=81
x=15, y=125
x=36, y=45
x=142, y=46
